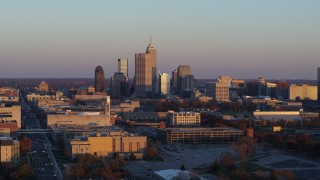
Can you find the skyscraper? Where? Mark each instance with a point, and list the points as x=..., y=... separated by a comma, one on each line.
x=119, y=86
x=164, y=81
x=185, y=81
x=146, y=72
x=99, y=79
x=174, y=79
x=318, y=83
x=123, y=66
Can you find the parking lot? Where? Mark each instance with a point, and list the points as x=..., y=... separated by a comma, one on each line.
x=192, y=156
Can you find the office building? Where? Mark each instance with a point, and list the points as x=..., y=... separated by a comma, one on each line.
x=164, y=81
x=219, y=90
x=82, y=118
x=9, y=150
x=185, y=81
x=199, y=135
x=99, y=79
x=303, y=92
x=119, y=86
x=43, y=87
x=123, y=66
x=174, y=80
x=146, y=73
x=106, y=143
x=318, y=83
x=11, y=113
x=184, y=119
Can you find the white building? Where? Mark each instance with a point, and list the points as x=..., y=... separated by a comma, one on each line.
x=184, y=118
x=164, y=79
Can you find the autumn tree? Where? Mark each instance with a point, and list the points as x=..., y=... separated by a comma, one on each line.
x=25, y=171
x=282, y=174
x=241, y=175
x=245, y=147
x=226, y=160
x=25, y=145
x=152, y=151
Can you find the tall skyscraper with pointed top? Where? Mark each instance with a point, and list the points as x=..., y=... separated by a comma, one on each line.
x=146, y=72
x=99, y=79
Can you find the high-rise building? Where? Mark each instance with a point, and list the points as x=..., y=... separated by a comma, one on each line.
x=123, y=66
x=174, y=79
x=303, y=92
x=164, y=80
x=318, y=83
x=185, y=81
x=119, y=85
x=219, y=90
x=146, y=73
x=99, y=79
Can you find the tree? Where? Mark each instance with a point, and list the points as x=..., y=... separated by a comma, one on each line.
x=215, y=166
x=241, y=175
x=245, y=147
x=25, y=171
x=132, y=157
x=226, y=160
x=182, y=167
x=282, y=174
x=152, y=151
x=25, y=145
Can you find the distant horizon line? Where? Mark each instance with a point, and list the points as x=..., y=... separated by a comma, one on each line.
x=132, y=78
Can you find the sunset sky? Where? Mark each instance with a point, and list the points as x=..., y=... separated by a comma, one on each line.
x=278, y=39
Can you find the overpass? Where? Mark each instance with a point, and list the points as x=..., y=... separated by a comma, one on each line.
x=34, y=131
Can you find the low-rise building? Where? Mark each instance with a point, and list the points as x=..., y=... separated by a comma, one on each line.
x=184, y=118
x=9, y=149
x=199, y=135
x=108, y=143
x=12, y=113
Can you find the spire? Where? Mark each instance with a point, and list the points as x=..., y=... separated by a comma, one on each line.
x=151, y=45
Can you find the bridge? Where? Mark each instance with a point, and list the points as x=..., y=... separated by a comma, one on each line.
x=34, y=131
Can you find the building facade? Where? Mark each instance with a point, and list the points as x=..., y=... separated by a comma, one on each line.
x=99, y=79
x=164, y=80
x=185, y=81
x=318, y=83
x=119, y=86
x=12, y=113
x=303, y=92
x=123, y=66
x=9, y=149
x=146, y=73
x=199, y=135
x=184, y=119
x=107, y=144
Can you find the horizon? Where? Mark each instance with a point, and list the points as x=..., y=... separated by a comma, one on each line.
x=245, y=40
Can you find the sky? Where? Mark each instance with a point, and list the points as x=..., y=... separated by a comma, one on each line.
x=243, y=39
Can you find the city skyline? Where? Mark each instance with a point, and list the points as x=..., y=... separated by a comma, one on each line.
x=276, y=40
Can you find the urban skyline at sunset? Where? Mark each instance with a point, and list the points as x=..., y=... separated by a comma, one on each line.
x=248, y=39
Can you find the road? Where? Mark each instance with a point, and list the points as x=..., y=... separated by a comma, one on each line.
x=40, y=155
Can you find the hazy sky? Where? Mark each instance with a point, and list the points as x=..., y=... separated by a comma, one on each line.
x=244, y=39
